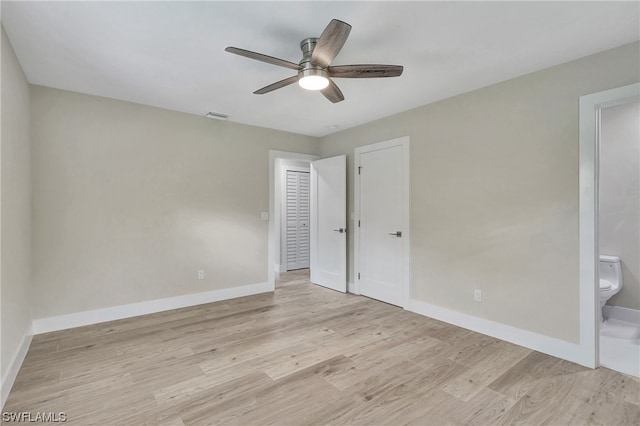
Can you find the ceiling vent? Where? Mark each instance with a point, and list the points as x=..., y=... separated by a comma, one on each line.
x=217, y=115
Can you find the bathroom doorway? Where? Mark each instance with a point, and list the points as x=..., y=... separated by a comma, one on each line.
x=610, y=228
x=619, y=236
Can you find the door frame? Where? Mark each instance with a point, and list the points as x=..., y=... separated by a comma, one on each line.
x=406, y=228
x=283, y=211
x=274, y=222
x=590, y=110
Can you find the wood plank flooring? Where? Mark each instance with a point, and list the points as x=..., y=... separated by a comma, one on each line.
x=306, y=355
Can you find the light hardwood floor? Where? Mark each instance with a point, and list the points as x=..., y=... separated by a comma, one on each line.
x=307, y=355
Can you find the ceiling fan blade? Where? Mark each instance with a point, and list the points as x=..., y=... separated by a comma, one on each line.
x=332, y=92
x=330, y=42
x=264, y=58
x=277, y=85
x=365, y=71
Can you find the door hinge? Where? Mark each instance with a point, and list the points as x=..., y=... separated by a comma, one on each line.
x=359, y=168
x=358, y=224
x=358, y=275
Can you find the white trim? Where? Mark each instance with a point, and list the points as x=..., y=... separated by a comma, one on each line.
x=14, y=367
x=590, y=106
x=78, y=319
x=274, y=224
x=622, y=314
x=353, y=287
x=538, y=342
x=406, y=192
x=277, y=268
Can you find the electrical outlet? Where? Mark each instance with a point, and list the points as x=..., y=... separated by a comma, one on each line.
x=264, y=215
x=477, y=295
x=201, y=274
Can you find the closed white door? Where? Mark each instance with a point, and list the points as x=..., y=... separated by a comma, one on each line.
x=297, y=219
x=328, y=223
x=382, y=223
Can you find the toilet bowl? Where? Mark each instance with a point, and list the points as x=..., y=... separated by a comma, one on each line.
x=610, y=279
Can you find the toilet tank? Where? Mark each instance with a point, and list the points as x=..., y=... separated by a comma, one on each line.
x=610, y=268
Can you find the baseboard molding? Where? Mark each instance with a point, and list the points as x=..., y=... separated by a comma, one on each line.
x=353, y=288
x=277, y=269
x=622, y=314
x=538, y=342
x=14, y=367
x=79, y=319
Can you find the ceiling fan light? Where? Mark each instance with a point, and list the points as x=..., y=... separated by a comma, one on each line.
x=313, y=78
x=313, y=82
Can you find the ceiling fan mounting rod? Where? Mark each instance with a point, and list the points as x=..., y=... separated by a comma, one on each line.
x=307, y=45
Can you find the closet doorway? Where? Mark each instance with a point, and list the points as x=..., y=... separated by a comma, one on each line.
x=279, y=161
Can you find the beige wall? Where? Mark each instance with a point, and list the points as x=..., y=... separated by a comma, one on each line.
x=494, y=192
x=15, y=199
x=619, y=221
x=130, y=201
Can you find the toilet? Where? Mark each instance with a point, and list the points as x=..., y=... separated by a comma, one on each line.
x=610, y=278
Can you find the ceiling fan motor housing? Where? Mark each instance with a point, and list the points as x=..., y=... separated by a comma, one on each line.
x=308, y=69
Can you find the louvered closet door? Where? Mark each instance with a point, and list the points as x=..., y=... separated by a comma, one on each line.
x=297, y=220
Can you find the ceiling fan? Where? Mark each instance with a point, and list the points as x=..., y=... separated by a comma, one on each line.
x=315, y=70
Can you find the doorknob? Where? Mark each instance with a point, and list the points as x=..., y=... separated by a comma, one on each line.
x=396, y=234
x=341, y=230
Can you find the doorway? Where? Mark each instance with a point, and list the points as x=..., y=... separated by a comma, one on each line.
x=276, y=159
x=619, y=237
x=382, y=217
x=591, y=107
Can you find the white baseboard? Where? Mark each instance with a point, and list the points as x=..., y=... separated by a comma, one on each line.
x=10, y=377
x=622, y=314
x=78, y=319
x=277, y=269
x=538, y=342
x=353, y=288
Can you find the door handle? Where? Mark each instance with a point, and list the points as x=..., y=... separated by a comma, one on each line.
x=396, y=234
x=341, y=230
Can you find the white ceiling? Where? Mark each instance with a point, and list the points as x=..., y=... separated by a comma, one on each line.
x=171, y=54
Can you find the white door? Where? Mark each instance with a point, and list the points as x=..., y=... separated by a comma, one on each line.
x=328, y=222
x=383, y=222
x=296, y=220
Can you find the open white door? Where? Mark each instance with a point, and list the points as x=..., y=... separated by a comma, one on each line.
x=329, y=222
